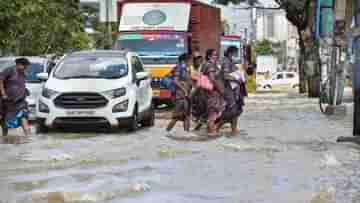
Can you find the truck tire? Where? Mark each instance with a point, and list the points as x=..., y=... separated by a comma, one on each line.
x=170, y=104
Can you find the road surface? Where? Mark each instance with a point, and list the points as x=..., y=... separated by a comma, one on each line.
x=286, y=152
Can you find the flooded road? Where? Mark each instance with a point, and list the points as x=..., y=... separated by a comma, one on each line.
x=286, y=152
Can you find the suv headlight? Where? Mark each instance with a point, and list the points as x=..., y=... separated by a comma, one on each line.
x=43, y=108
x=116, y=93
x=48, y=93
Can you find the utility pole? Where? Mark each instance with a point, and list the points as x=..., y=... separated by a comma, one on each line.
x=108, y=15
x=109, y=29
x=356, y=78
x=328, y=50
x=356, y=71
x=252, y=21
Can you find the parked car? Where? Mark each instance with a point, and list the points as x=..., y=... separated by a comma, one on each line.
x=33, y=84
x=96, y=88
x=280, y=79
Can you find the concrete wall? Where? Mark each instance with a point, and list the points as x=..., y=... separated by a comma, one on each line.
x=266, y=63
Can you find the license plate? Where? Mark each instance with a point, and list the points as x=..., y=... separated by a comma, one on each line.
x=156, y=93
x=80, y=113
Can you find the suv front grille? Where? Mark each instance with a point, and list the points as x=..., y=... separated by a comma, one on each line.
x=80, y=101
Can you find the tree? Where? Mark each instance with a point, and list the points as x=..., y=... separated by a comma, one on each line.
x=41, y=26
x=264, y=47
x=300, y=13
x=91, y=16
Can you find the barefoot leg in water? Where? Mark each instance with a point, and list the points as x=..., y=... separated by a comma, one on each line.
x=4, y=128
x=25, y=126
x=234, y=127
x=171, y=125
x=187, y=124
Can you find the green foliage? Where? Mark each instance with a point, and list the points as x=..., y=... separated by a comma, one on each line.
x=41, y=26
x=264, y=47
x=297, y=11
x=99, y=38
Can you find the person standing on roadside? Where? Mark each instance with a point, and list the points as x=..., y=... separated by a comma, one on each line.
x=182, y=111
x=13, y=95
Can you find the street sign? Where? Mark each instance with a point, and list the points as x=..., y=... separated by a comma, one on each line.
x=108, y=11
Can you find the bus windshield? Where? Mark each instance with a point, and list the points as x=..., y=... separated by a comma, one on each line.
x=153, y=45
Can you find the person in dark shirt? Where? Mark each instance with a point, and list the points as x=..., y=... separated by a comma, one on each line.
x=233, y=96
x=13, y=95
x=182, y=83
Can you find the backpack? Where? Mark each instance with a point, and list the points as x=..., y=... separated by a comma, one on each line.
x=168, y=83
x=168, y=80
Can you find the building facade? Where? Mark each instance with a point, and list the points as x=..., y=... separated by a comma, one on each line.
x=273, y=25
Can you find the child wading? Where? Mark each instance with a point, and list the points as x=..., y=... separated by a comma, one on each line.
x=182, y=84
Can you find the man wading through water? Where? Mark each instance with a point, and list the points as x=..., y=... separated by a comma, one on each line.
x=182, y=84
x=13, y=97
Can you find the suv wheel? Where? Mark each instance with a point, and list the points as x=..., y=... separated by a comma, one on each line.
x=149, y=120
x=134, y=122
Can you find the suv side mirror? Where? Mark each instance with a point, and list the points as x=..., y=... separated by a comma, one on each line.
x=43, y=76
x=140, y=76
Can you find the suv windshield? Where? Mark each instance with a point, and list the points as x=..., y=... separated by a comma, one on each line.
x=92, y=67
x=168, y=45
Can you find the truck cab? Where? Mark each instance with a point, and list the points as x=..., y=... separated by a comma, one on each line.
x=159, y=31
x=159, y=52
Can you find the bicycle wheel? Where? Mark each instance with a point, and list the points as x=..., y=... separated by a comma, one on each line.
x=324, y=97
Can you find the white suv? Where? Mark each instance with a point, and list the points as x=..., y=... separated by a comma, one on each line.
x=106, y=88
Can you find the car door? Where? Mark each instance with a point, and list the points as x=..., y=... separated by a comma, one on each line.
x=142, y=86
x=278, y=80
x=290, y=79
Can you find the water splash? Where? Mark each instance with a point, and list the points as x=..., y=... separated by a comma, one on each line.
x=330, y=160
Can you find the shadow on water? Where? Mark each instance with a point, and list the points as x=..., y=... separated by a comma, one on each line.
x=15, y=140
x=89, y=132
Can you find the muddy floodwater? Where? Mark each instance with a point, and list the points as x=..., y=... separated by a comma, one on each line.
x=286, y=152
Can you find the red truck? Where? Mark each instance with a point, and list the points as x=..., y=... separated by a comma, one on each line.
x=161, y=30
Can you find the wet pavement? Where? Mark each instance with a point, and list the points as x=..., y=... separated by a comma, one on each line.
x=286, y=152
